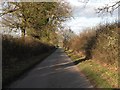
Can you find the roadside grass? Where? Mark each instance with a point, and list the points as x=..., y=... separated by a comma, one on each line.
x=12, y=73
x=100, y=76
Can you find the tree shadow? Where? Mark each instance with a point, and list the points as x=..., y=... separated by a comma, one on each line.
x=80, y=60
x=71, y=63
x=91, y=43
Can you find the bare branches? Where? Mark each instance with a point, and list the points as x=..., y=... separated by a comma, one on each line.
x=7, y=12
x=7, y=9
x=108, y=8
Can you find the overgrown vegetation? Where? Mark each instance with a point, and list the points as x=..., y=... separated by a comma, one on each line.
x=106, y=49
x=100, y=43
x=97, y=46
x=18, y=55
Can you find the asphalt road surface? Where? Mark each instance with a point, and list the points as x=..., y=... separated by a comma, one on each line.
x=56, y=71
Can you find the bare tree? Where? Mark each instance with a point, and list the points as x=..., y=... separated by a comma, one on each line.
x=109, y=8
x=106, y=8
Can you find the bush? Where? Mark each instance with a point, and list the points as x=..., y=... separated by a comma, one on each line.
x=106, y=49
x=100, y=43
x=19, y=55
x=15, y=49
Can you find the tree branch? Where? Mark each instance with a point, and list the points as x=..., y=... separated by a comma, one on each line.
x=108, y=8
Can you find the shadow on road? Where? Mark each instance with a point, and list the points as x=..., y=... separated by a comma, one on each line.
x=55, y=71
x=72, y=63
x=64, y=65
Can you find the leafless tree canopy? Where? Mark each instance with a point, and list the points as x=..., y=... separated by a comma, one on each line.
x=109, y=8
x=106, y=8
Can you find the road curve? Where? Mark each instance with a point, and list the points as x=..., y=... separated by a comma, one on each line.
x=56, y=71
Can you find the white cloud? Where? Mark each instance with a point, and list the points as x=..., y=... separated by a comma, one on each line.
x=80, y=23
x=86, y=12
x=85, y=17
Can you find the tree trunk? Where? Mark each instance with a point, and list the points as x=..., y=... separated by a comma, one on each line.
x=23, y=34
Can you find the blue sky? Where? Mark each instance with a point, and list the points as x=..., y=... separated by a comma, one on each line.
x=85, y=17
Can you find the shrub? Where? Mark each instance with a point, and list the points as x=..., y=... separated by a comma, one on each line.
x=106, y=49
x=15, y=49
x=100, y=43
x=19, y=55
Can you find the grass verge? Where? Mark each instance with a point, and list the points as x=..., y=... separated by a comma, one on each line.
x=10, y=74
x=99, y=75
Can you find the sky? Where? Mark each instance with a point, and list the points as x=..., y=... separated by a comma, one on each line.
x=85, y=16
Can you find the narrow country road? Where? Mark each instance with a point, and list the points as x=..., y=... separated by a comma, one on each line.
x=56, y=71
